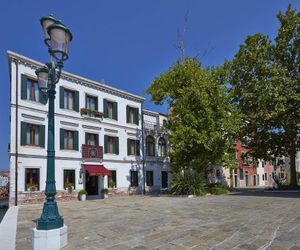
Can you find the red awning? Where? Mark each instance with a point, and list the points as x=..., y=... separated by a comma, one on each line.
x=96, y=170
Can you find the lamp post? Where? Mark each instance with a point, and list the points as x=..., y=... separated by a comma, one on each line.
x=57, y=38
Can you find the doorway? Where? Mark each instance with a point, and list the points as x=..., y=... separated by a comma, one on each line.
x=91, y=184
x=164, y=179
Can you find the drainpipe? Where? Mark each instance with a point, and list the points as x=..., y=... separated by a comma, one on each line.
x=17, y=135
x=143, y=151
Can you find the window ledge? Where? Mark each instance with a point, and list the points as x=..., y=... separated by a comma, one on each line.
x=34, y=102
x=109, y=119
x=32, y=146
x=70, y=110
x=70, y=150
x=110, y=154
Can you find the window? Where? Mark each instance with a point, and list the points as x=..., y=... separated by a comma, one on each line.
x=218, y=173
x=68, y=139
x=69, y=178
x=132, y=115
x=162, y=149
x=263, y=177
x=91, y=139
x=33, y=92
x=32, y=179
x=33, y=135
x=150, y=146
x=266, y=176
x=112, y=179
x=91, y=102
x=133, y=147
x=241, y=174
x=134, y=178
x=110, y=109
x=149, y=178
x=111, y=144
x=244, y=157
x=69, y=99
x=262, y=164
x=30, y=90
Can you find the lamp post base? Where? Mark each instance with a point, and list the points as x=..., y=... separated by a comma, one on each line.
x=50, y=239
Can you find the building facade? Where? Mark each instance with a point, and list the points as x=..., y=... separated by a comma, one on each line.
x=98, y=131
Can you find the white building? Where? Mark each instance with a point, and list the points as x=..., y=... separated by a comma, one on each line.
x=97, y=128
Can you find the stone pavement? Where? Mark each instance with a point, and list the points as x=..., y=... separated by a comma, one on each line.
x=251, y=220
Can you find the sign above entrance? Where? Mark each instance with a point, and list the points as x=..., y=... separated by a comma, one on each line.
x=92, y=152
x=96, y=170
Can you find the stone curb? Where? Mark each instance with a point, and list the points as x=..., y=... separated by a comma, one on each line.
x=8, y=229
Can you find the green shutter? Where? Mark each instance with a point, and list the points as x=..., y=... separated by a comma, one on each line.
x=42, y=136
x=128, y=146
x=96, y=104
x=97, y=139
x=38, y=178
x=62, y=136
x=105, y=143
x=105, y=111
x=23, y=133
x=137, y=147
x=115, y=111
x=117, y=145
x=76, y=140
x=61, y=97
x=86, y=138
x=43, y=98
x=137, y=116
x=76, y=101
x=86, y=101
x=23, y=87
x=127, y=114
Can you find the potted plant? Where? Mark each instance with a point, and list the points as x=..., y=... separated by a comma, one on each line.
x=104, y=192
x=82, y=195
x=69, y=187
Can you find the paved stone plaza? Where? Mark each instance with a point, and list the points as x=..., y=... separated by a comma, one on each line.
x=251, y=220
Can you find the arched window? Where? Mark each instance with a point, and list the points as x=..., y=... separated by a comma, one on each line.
x=150, y=146
x=162, y=147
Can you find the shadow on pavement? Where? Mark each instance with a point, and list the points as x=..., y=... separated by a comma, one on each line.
x=267, y=193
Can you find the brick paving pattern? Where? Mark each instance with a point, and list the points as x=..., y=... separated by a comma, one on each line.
x=250, y=220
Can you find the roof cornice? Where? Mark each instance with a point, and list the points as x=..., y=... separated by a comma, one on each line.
x=28, y=62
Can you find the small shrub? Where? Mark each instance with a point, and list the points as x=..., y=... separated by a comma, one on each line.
x=217, y=189
x=82, y=191
x=188, y=183
x=104, y=191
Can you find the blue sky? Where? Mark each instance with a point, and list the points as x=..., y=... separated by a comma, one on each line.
x=128, y=43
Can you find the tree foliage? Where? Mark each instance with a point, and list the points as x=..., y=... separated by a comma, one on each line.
x=202, y=122
x=265, y=75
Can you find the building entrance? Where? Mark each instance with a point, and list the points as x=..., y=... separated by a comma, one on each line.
x=91, y=184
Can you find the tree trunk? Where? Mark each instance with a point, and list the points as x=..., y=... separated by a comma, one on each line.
x=293, y=180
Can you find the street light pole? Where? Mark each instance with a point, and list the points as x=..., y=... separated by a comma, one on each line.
x=57, y=39
x=50, y=218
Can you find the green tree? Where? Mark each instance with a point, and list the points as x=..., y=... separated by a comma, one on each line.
x=202, y=122
x=265, y=75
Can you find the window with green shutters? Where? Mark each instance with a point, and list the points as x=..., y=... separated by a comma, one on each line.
x=32, y=134
x=68, y=99
x=91, y=102
x=68, y=139
x=132, y=115
x=134, y=178
x=32, y=179
x=91, y=139
x=110, y=109
x=111, y=144
x=149, y=178
x=30, y=90
x=133, y=147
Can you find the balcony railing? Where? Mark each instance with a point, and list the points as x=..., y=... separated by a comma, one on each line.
x=92, y=152
x=91, y=113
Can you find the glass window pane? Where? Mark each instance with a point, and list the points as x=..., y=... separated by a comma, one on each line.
x=28, y=135
x=36, y=136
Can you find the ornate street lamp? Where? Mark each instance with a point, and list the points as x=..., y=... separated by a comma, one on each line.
x=57, y=37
